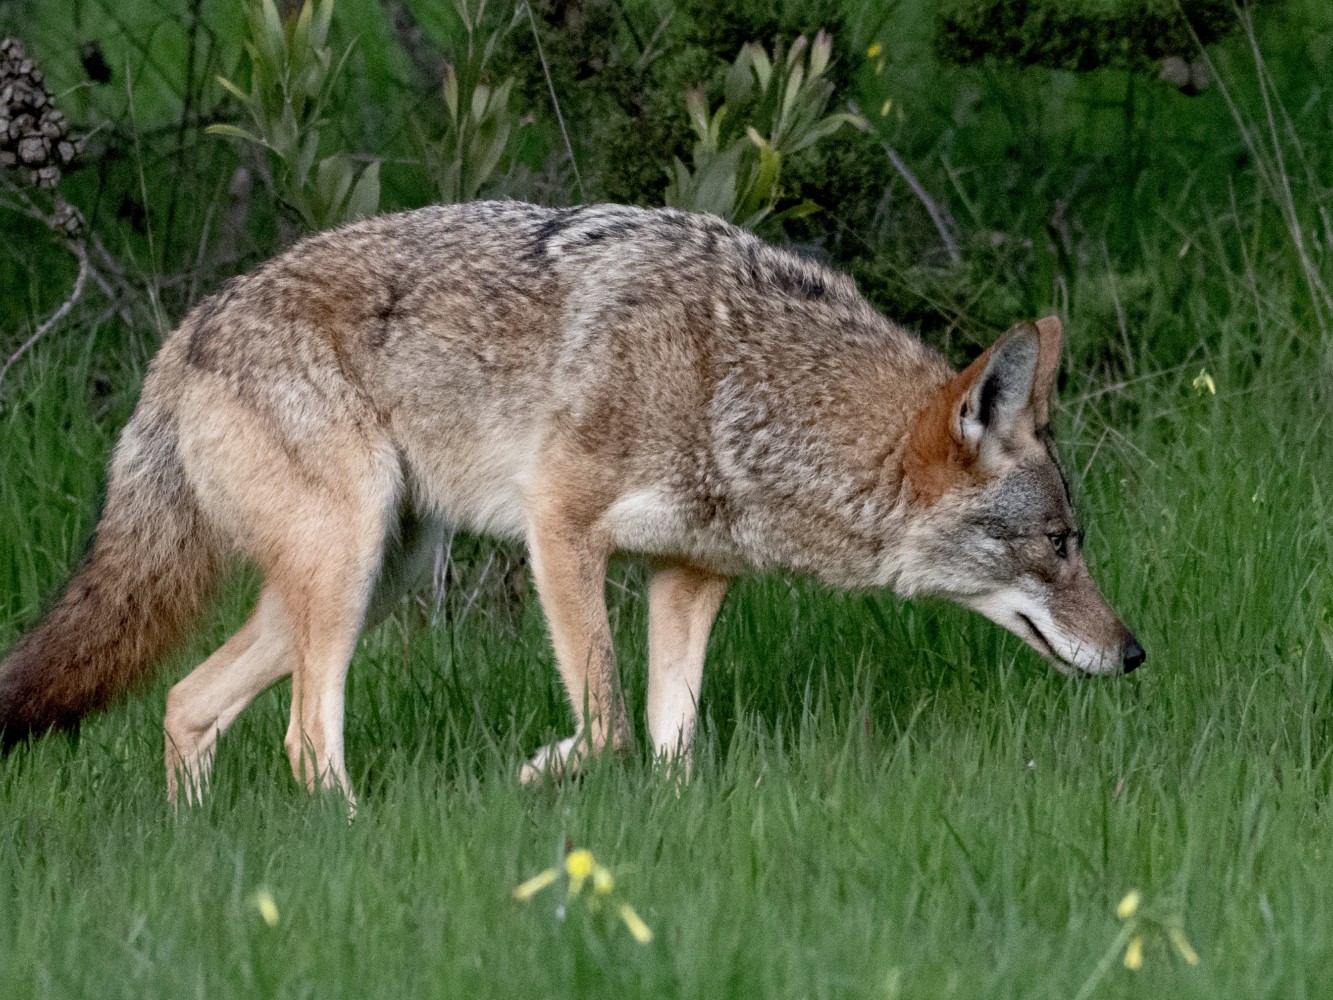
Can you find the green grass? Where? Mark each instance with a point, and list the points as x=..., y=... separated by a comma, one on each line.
x=890, y=799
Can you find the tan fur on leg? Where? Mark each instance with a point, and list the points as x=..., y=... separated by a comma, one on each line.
x=569, y=567
x=682, y=603
x=325, y=596
x=201, y=707
x=314, y=520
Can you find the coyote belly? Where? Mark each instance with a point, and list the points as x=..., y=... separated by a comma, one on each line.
x=588, y=380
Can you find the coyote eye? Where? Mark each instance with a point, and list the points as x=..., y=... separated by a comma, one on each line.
x=1060, y=543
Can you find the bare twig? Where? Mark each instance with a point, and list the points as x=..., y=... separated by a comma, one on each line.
x=1114, y=388
x=81, y=255
x=559, y=117
x=96, y=264
x=118, y=294
x=439, y=578
x=939, y=215
x=481, y=582
x=650, y=52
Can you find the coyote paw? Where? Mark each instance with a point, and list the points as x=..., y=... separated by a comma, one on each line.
x=557, y=760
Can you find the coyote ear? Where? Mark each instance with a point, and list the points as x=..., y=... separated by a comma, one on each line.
x=1049, y=334
x=998, y=387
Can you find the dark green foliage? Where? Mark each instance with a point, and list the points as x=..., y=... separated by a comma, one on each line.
x=847, y=179
x=891, y=799
x=627, y=110
x=623, y=82
x=1081, y=35
x=722, y=28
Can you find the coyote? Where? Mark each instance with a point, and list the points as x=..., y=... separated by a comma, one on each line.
x=589, y=380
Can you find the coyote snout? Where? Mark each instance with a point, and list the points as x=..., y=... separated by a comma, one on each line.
x=1001, y=536
x=1074, y=627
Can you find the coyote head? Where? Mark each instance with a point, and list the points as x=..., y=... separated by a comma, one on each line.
x=994, y=524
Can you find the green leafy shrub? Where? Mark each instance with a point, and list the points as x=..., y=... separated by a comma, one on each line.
x=774, y=107
x=722, y=28
x=292, y=76
x=620, y=70
x=1081, y=35
x=479, y=120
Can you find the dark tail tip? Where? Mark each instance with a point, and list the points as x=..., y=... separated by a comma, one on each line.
x=20, y=726
x=12, y=735
x=1132, y=655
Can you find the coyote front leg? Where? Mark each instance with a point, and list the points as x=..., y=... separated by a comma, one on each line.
x=682, y=603
x=569, y=568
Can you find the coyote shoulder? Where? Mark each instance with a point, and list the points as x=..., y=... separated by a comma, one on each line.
x=588, y=380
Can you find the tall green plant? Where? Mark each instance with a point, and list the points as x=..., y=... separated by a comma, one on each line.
x=292, y=77
x=773, y=107
x=479, y=119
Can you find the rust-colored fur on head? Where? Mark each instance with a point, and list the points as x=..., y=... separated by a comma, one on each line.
x=995, y=513
x=936, y=461
x=941, y=455
x=1049, y=336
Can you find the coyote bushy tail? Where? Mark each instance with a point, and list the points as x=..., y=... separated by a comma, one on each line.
x=148, y=574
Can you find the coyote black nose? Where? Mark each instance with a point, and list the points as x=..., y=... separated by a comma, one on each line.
x=1133, y=655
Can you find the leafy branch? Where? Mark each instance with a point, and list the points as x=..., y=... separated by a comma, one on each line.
x=773, y=108
x=292, y=76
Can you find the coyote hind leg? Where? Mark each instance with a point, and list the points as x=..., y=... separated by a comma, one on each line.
x=201, y=707
x=302, y=475
x=325, y=589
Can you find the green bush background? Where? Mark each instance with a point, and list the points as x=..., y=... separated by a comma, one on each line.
x=892, y=800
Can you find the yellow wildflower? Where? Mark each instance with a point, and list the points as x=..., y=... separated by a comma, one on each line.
x=267, y=907
x=635, y=924
x=1204, y=381
x=582, y=870
x=536, y=884
x=579, y=863
x=1183, y=946
x=1134, y=954
x=875, y=49
x=1129, y=905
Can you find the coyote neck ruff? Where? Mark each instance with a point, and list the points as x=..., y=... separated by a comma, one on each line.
x=588, y=380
